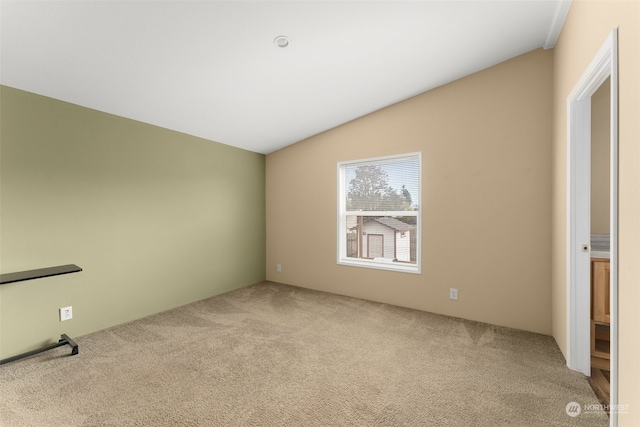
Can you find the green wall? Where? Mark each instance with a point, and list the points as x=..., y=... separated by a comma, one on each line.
x=156, y=218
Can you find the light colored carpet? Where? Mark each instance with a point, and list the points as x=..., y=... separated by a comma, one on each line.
x=276, y=355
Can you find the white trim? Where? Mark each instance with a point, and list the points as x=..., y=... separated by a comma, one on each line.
x=613, y=300
x=559, y=17
x=604, y=64
x=364, y=263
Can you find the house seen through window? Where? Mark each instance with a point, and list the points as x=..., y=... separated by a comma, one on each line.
x=379, y=213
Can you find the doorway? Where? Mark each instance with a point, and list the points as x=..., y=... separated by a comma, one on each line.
x=600, y=221
x=603, y=68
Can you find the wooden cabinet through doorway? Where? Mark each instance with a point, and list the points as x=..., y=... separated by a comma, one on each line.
x=600, y=289
x=600, y=313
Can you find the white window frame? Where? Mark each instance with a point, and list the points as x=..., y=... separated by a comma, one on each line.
x=343, y=214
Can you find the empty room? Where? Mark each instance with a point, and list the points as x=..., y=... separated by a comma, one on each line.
x=319, y=213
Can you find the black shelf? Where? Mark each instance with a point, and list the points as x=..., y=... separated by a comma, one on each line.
x=38, y=274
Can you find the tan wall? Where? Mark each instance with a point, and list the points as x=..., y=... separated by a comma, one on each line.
x=486, y=146
x=585, y=30
x=156, y=218
x=600, y=159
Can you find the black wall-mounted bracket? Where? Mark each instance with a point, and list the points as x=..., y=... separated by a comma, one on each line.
x=64, y=340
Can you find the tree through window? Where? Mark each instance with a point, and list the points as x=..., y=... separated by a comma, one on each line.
x=379, y=213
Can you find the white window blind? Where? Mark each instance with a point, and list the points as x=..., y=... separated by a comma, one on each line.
x=379, y=212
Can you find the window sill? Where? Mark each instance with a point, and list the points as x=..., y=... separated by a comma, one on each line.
x=386, y=265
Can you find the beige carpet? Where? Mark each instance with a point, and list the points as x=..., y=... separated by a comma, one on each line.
x=276, y=355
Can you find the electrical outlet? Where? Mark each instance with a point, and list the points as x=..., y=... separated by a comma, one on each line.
x=453, y=293
x=278, y=268
x=66, y=313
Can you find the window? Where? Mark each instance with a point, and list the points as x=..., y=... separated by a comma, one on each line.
x=379, y=213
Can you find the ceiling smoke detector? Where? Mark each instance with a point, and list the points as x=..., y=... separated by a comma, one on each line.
x=281, y=41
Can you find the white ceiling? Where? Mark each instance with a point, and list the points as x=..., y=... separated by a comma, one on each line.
x=210, y=68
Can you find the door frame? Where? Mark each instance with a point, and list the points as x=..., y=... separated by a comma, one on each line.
x=603, y=65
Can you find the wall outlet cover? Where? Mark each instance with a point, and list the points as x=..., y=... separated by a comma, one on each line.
x=66, y=313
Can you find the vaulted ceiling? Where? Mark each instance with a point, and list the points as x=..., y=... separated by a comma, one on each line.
x=211, y=68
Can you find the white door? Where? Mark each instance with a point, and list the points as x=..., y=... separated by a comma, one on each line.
x=375, y=245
